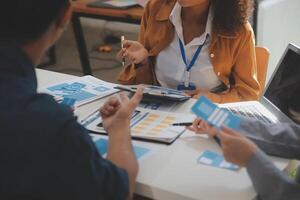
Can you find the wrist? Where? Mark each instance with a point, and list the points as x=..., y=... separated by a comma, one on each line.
x=120, y=138
x=145, y=61
x=251, y=153
x=252, y=159
x=119, y=127
x=142, y=63
x=145, y=54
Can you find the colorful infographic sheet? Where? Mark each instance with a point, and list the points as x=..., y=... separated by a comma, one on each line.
x=102, y=147
x=141, y=149
x=83, y=90
x=214, y=115
x=213, y=159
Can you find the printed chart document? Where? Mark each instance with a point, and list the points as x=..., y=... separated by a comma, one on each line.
x=214, y=159
x=83, y=89
x=214, y=115
x=142, y=150
x=145, y=124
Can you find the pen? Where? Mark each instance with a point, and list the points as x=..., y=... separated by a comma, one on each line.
x=217, y=140
x=183, y=124
x=122, y=46
x=190, y=124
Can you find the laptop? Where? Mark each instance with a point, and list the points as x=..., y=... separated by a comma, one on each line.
x=281, y=95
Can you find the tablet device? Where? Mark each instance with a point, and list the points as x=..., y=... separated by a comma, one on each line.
x=157, y=92
x=118, y=4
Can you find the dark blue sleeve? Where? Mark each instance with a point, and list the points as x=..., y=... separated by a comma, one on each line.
x=84, y=173
x=76, y=170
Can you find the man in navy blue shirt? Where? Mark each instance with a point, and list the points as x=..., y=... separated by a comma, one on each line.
x=44, y=152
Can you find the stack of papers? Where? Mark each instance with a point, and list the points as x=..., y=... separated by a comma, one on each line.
x=145, y=124
x=83, y=90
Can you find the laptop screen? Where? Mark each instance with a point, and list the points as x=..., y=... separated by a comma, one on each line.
x=284, y=87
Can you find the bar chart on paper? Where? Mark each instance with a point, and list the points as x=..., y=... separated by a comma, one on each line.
x=145, y=124
x=152, y=124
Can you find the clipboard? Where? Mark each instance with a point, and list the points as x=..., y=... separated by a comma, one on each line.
x=145, y=125
x=157, y=92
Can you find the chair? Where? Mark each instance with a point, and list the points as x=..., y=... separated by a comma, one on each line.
x=262, y=60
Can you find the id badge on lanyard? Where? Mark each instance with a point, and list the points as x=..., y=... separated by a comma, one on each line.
x=186, y=84
x=186, y=78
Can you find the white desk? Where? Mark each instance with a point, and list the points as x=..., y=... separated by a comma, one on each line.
x=173, y=173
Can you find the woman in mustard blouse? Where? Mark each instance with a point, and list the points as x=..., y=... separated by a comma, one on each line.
x=204, y=47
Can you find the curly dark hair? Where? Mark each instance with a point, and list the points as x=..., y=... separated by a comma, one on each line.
x=231, y=15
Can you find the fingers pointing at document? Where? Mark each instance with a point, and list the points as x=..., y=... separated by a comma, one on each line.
x=116, y=114
x=117, y=111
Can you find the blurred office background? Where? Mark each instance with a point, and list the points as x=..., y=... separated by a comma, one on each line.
x=276, y=22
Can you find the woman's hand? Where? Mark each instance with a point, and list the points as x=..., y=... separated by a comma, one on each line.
x=116, y=112
x=194, y=93
x=201, y=127
x=134, y=51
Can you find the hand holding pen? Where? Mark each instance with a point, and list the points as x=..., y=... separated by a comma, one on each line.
x=134, y=51
x=199, y=126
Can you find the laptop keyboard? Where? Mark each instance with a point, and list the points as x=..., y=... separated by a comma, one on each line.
x=249, y=111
